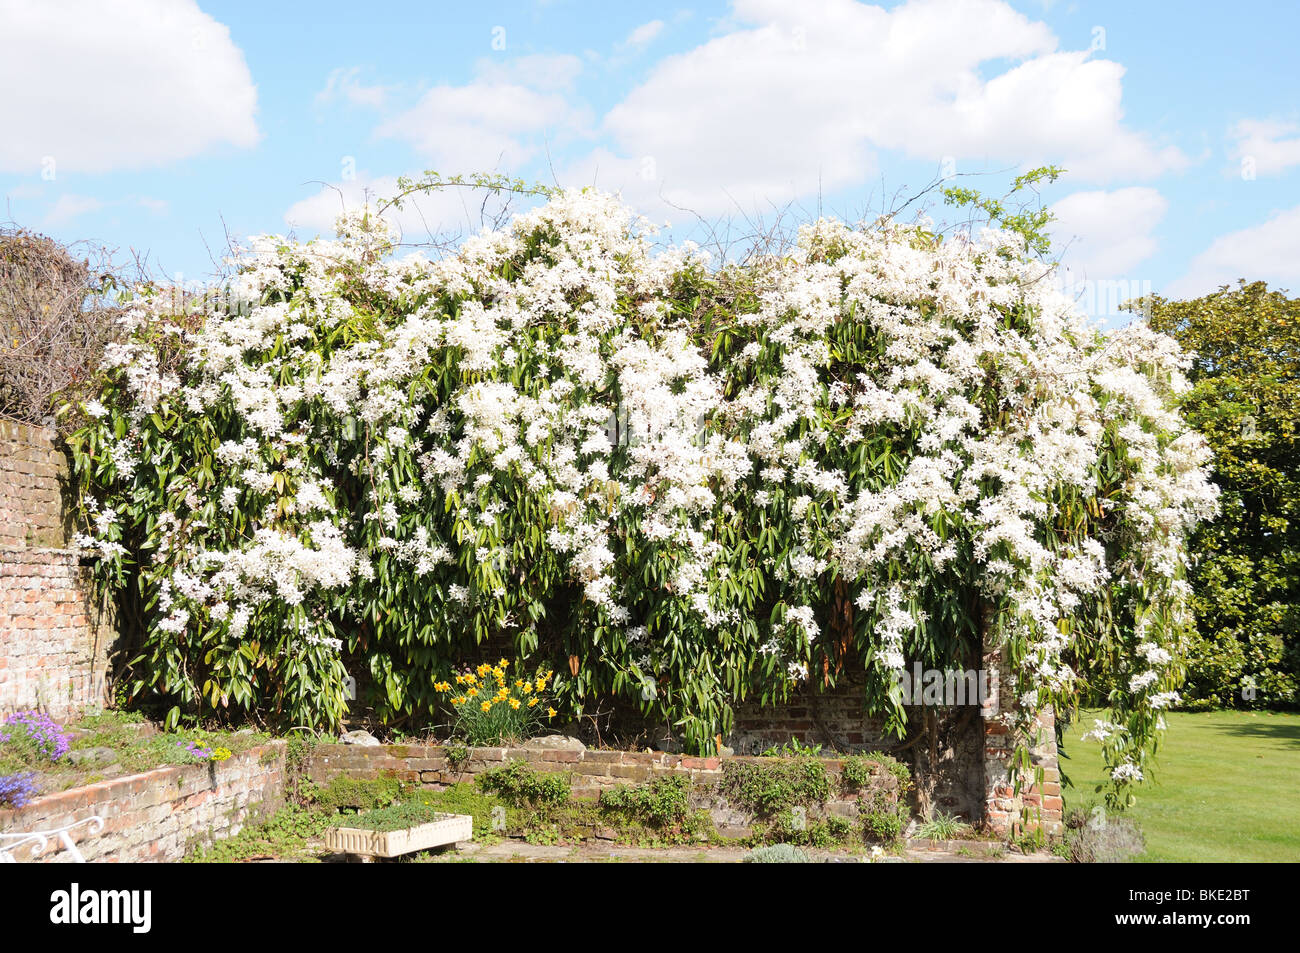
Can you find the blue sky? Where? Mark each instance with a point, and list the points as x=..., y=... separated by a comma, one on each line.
x=158, y=125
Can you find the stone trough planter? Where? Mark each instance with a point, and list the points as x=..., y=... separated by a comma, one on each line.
x=447, y=829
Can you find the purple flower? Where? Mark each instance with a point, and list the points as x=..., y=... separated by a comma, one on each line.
x=17, y=789
x=38, y=730
x=196, y=750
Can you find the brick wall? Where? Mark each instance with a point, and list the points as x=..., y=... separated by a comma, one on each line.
x=945, y=749
x=833, y=718
x=54, y=640
x=592, y=771
x=1005, y=808
x=33, y=474
x=157, y=815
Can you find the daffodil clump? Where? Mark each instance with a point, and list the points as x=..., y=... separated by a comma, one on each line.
x=496, y=703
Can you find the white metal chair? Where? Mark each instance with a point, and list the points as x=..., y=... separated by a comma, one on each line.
x=39, y=839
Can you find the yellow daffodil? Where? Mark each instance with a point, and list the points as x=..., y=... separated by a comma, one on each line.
x=486, y=706
x=514, y=703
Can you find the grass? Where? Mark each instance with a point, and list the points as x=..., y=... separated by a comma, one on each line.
x=1224, y=787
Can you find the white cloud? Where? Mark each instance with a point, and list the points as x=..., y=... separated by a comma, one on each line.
x=1269, y=252
x=1105, y=235
x=537, y=71
x=112, y=85
x=343, y=84
x=645, y=34
x=1262, y=143
x=499, y=122
x=799, y=97
x=69, y=206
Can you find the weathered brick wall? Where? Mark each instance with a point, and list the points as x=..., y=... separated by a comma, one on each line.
x=1035, y=805
x=592, y=771
x=33, y=473
x=833, y=718
x=158, y=815
x=54, y=640
x=945, y=751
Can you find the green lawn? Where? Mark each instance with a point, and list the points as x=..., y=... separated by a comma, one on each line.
x=1226, y=787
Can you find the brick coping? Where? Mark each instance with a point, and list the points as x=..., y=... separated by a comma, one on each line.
x=400, y=752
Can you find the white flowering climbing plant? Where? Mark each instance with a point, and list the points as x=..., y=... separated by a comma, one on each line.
x=647, y=471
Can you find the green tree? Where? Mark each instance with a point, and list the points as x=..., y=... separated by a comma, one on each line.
x=1245, y=399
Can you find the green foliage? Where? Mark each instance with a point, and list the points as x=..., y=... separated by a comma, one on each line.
x=793, y=749
x=859, y=771
x=284, y=836
x=943, y=826
x=882, y=824
x=1093, y=837
x=1245, y=399
x=1029, y=221
x=794, y=827
x=457, y=756
x=519, y=785
x=663, y=802
x=768, y=787
x=776, y=854
x=395, y=817
x=466, y=798
x=355, y=794
x=498, y=704
x=137, y=747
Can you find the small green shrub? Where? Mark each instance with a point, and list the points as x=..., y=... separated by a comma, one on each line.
x=943, y=826
x=465, y=798
x=519, y=785
x=767, y=787
x=355, y=794
x=882, y=824
x=457, y=757
x=663, y=802
x=1094, y=837
x=776, y=854
x=792, y=828
x=860, y=771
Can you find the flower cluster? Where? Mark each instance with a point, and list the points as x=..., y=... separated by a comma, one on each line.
x=647, y=465
x=37, y=733
x=199, y=750
x=16, y=790
x=494, y=703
